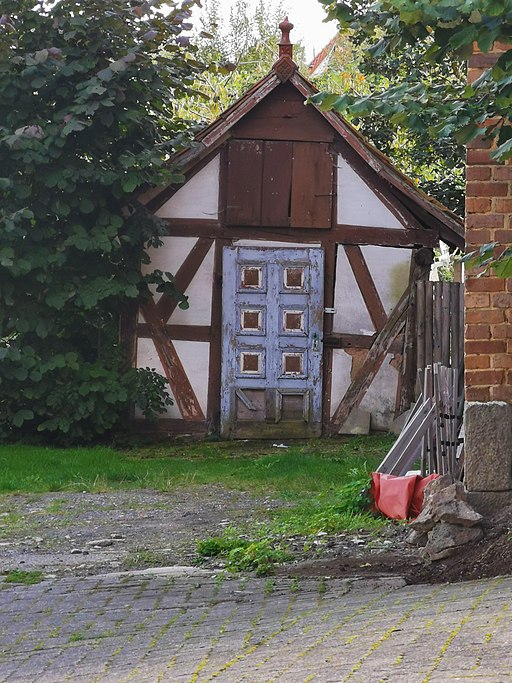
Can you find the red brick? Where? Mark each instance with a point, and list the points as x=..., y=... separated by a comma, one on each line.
x=478, y=236
x=503, y=236
x=484, y=220
x=478, y=332
x=477, y=300
x=484, y=315
x=480, y=157
x=479, y=143
x=501, y=331
x=501, y=360
x=503, y=205
x=478, y=204
x=492, y=189
x=485, y=284
x=487, y=346
x=478, y=393
x=502, y=172
x=483, y=378
x=502, y=299
x=477, y=362
x=482, y=60
x=501, y=393
x=478, y=172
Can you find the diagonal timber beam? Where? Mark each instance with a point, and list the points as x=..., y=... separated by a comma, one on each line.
x=182, y=390
x=167, y=304
x=371, y=365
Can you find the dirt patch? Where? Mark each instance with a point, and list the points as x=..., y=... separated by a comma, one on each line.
x=492, y=556
x=87, y=533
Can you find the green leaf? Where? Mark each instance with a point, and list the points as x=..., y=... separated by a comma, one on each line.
x=22, y=416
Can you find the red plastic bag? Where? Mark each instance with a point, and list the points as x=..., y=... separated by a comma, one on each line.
x=417, y=498
x=398, y=497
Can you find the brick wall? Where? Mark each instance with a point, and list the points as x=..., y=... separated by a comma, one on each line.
x=488, y=300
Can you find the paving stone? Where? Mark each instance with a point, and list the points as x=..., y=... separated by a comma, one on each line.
x=206, y=632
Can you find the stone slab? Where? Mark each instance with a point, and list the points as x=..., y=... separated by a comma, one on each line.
x=358, y=422
x=488, y=502
x=488, y=446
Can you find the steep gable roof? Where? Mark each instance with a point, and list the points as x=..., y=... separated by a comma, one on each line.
x=430, y=212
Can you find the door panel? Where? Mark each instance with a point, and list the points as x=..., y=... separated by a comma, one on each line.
x=272, y=350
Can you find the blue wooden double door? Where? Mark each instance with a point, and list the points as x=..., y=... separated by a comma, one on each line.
x=272, y=342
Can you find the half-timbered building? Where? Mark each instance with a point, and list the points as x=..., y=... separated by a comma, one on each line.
x=298, y=244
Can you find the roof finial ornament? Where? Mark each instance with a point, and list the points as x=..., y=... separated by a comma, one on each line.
x=285, y=67
x=285, y=46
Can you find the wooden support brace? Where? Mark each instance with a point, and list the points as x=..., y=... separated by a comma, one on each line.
x=371, y=365
x=183, y=393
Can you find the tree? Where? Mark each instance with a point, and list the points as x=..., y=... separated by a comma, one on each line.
x=437, y=165
x=239, y=52
x=441, y=36
x=87, y=120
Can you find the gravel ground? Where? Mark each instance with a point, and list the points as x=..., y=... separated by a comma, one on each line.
x=93, y=533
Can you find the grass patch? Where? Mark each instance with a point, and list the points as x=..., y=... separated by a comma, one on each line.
x=243, y=555
x=315, y=467
x=27, y=578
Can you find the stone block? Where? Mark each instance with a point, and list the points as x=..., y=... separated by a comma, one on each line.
x=489, y=502
x=445, y=538
x=488, y=446
x=358, y=422
x=398, y=423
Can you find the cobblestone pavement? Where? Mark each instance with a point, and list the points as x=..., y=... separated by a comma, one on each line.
x=202, y=628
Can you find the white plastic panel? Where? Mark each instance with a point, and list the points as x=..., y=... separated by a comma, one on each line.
x=198, y=197
x=147, y=357
x=195, y=359
x=380, y=397
x=351, y=315
x=169, y=257
x=358, y=204
x=341, y=366
x=389, y=268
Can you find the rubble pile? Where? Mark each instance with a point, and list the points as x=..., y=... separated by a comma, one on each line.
x=446, y=521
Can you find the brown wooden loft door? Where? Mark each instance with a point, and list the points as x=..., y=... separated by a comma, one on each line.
x=279, y=184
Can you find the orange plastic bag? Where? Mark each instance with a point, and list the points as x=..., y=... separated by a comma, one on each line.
x=398, y=497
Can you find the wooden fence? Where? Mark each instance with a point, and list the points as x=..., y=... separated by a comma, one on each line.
x=439, y=324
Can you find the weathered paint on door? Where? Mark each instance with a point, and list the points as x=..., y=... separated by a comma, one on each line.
x=272, y=342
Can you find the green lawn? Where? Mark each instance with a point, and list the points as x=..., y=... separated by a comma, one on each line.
x=315, y=467
x=321, y=479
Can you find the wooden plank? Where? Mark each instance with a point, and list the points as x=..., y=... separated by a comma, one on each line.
x=455, y=326
x=420, y=323
x=366, y=286
x=200, y=333
x=244, y=182
x=343, y=234
x=166, y=427
x=429, y=329
x=385, y=237
x=445, y=322
x=276, y=183
x=437, y=322
x=371, y=365
x=181, y=388
x=330, y=256
x=311, y=200
x=215, y=362
x=167, y=304
x=283, y=116
x=337, y=340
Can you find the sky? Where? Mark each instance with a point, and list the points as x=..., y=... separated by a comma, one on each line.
x=306, y=16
